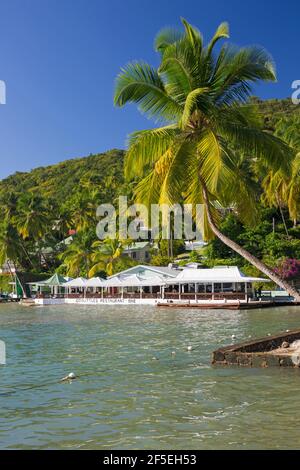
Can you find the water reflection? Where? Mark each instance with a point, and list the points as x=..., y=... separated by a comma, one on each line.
x=123, y=399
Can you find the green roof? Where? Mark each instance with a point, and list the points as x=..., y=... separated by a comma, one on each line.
x=55, y=280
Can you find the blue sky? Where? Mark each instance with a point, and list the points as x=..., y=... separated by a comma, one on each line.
x=59, y=59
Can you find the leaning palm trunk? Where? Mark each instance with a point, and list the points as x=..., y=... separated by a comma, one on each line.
x=204, y=99
x=282, y=215
x=291, y=290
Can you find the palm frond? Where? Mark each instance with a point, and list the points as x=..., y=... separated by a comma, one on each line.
x=146, y=147
x=221, y=32
x=178, y=69
x=193, y=35
x=211, y=159
x=258, y=143
x=191, y=104
x=238, y=69
x=140, y=83
x=165, y=37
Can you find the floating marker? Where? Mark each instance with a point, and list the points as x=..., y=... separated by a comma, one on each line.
x=70, y=376
x=189, y=348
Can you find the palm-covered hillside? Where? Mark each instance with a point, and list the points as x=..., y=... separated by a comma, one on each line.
x=40, y=207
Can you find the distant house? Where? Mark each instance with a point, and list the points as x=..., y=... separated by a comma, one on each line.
x=139, y=251
x=8, y=268
x=193, y=265
x=194, y=245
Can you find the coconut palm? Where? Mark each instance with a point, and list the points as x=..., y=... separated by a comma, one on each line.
x=106, y=255
x=8, y=203
x=280, y=189
x=83, y=208
x=77, y=258
x=10, y=248
x=202, y=101
x=32, y=219
x=288, y=129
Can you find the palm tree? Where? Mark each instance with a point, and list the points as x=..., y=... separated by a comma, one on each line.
x=32, y=219
x=78, y=256
x=10, y=248
x=8, y=203
x=84, y=205
x=106, y=255
x=288, y=130
x=280, y=189
x=202, y=100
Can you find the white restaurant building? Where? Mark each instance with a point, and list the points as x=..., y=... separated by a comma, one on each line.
x=155, y=284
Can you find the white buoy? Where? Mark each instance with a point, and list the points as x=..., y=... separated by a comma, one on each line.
x=189, y=348
x=70, y=376
x=155, y=358
x=269, y=334
x=287, y=331
x=233, y=336
x=173, y=353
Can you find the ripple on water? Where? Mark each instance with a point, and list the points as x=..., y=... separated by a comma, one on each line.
x=124, y=399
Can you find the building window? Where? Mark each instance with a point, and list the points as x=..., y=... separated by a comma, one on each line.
x=227, y=286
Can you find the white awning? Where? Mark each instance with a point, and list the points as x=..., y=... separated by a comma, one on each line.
x=113, y=282
x=94, y=282
x=223, y=274
x=78, y=282
x=134, y=281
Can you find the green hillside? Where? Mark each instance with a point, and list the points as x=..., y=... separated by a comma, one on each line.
x=61, y=181
x=273, y=110
x=40, y=207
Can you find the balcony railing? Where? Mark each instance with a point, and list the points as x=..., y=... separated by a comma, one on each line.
x=146, y=295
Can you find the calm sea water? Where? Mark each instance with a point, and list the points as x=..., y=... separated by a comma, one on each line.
x=124, y=398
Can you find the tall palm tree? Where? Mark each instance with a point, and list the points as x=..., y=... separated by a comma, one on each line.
x=201, y=98
x=280, y=189
x=83, y=210
x=288, y=130
x=78, y=256
x=10, y=249
x=106, y=255
x=32, y=219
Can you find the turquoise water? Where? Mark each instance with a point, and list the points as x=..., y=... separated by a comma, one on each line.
x=123, y=398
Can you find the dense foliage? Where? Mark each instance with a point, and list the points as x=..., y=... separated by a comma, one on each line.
x=42, y=207
x=39, y=208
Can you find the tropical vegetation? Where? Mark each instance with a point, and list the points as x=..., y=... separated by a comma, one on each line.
x=211, y=144
x=216, y=145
